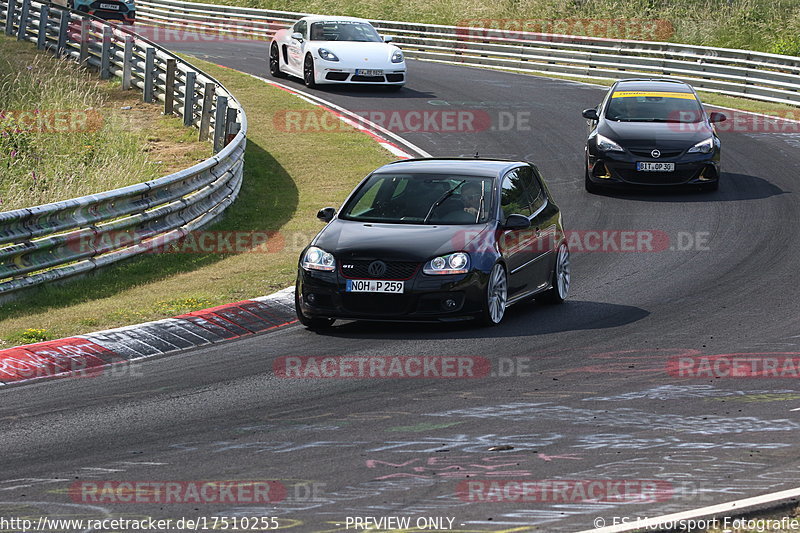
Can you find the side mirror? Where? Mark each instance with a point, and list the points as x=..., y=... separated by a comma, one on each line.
x=517, y=222
x=388, y=38
x=326, y=214
x=297, y=36
x=717, y=117
x=591, y=114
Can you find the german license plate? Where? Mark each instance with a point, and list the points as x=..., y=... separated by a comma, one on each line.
x=113, y=7
x=374, y=285
x=368, y=72
x=646, y=166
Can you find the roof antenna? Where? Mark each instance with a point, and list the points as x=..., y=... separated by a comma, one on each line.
x=476, y=155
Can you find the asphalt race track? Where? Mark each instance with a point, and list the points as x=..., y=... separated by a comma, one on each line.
x=579, y=391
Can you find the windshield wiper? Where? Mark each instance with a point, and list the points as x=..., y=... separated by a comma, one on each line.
x=441, y=200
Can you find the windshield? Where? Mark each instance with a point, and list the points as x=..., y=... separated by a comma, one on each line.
x=654, y=106
x=421, y=199
x=344, y=31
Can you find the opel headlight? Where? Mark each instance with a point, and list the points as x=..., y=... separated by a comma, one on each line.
x=607, y=145
x=703, y=147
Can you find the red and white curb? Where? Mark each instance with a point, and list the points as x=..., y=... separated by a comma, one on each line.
x=90, y=353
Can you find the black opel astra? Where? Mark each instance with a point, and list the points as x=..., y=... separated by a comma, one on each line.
x=435, y=240
x=651, y=133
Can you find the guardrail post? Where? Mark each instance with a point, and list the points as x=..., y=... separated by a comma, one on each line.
x=149, y=73
x=205, y=113
x=23, y=20
x=169, y=86
x=12, y=7
x=41, y=37
x=231, y=126
x=84, y=56
x=188, y=98
x=219, y=123
x=127, y=63
x=105, y=56
x=63, y=32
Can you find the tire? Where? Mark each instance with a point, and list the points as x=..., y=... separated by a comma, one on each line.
x=591, y=187
x=275, y=62
x=311, y=323
x=308, y=72
x=496, y=296
x=559, y=280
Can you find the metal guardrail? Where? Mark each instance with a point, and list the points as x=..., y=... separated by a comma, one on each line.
x=757, y=75
x=50, y=242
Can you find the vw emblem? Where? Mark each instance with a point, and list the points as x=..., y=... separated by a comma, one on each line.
x=656, y=154
x=376, y=269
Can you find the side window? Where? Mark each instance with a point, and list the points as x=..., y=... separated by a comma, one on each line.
x=514, y=196
x=538, y=196
x=300, y=27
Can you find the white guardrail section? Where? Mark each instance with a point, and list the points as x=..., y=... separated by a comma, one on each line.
x=762, y=76
x=49, y=242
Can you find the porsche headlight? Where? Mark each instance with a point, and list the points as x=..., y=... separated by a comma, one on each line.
x=607, y=145
x=703, y=147
x=327, y=55
x=457, y=263
x=318, y=259
x=397, y=56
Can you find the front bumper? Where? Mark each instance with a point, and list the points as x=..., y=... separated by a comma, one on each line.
x=326, y=73
x=102, y=9
x=425, y=298
x=619, y=169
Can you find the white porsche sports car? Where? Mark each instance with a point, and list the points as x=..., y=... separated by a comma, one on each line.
x=336, y=50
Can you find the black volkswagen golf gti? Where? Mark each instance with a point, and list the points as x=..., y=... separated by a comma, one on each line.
x=651, y=133
x=435, y=240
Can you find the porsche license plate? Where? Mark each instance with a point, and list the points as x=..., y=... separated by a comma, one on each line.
x=374, y=285
x=646, y=166
x=368, y=72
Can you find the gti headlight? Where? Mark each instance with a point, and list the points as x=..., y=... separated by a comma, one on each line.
x=457, y=263
x=318, y=259
x=703, y=147
x=327, y=55
x=607, y=145
x=397, y=56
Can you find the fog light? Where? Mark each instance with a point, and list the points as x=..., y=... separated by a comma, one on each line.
x=606, y=175
x=449, y=304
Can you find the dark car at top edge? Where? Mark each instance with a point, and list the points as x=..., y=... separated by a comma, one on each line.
x=651, y=133
x=435, y=240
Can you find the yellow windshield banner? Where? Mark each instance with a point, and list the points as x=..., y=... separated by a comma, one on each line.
x=635, y=94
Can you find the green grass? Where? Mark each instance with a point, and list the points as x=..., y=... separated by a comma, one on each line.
x=765, y=25
x=64, y=134
x=288, y=177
